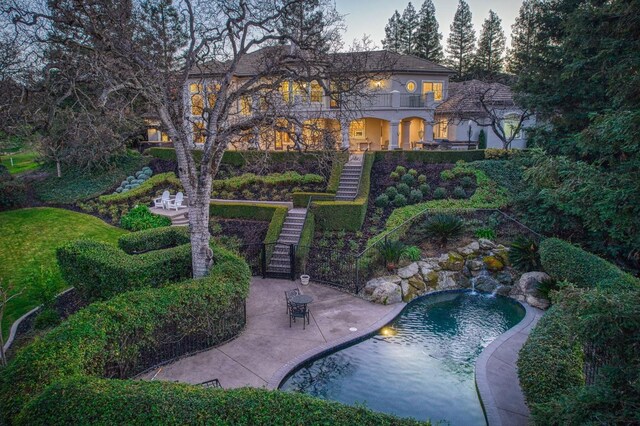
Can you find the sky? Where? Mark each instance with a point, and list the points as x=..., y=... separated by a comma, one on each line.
x=370, y=16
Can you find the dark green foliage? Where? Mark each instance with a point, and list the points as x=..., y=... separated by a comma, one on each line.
x=103, y=402
x=13, y=194
x=466, y=181
x=382, y=201
x=486, y=233
x=429, y=157
x=391, y=251
x=422, y=179
x=391, y=192
x=403, y=189
x=401, y=170
x=408, y=180
x=154, y=239
x=447, y=175
x=394, y=176
x=43, y=287
x=459, y=193
x=400, y=201
x=507, y=173
x=440, y=193
x=118, y=332
x=442, y=227
x=415, y=196
x=547, y=287
x=412, y=253
x=425, y=189
x=141, y=218
x=482, y=139
x=564, y=261
x=301, y=199
x=413, y=172
x=524, y=254
x=47, y=318
x=461, y=41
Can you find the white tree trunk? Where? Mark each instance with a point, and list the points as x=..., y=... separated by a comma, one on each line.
x=201, y=255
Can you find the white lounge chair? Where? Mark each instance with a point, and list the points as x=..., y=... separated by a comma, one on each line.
x=163, y=201
x=176, y=203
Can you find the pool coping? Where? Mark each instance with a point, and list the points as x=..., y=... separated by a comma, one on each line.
x=487, y=399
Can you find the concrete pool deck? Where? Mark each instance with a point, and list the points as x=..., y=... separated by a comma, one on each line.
x=267, y=344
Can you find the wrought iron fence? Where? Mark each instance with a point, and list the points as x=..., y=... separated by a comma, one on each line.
x=172, y=341
x=333, y=267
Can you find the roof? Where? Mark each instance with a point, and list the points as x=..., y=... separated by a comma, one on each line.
x=373, y=61
x=465, y=96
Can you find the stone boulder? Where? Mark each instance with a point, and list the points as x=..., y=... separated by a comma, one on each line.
x=451, y=261
x=387, y=293
x=486, y=283
x=373, y=284
x=470, y=249
x=493, y=263
x=409, y=270
x=505, y=277
x=504, y=290
x=447, y=280
x=526, y=290
x=412, y=288
x=486, y=244
x=431, y=279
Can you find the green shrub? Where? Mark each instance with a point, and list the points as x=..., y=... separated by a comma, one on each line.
x=447, y=175
x=43, y=285
x=466, y=182
x=141, y=218
x=391, y=192
x=412, y=253
x=440, y=193
x=422, y=179
x=301, y=199
x=401, y=170
x=442, y=227
x=394, y=176
x=486, y=233
x=425, y=189
x=564, y=261
x=408, y=180
x=482, y=139
x=391, y=251
x=147, y=189
x=400, y=200
x=118, y=337
x=415, y=196
x=13, y=194
x=524, y=254
x=382, y=201
x=48, y=318
x=403, y=189
x=131, y=402
x=272, y=180
x=459, y=193
x=274, y=214
x=154, y=239
x=413, y=172
x=429, y=157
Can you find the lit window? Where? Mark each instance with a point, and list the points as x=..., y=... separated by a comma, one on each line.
x=285, y=87
x=245, y=105
x=436, y=88
x=300, y=90
x=164, y=137
x=282, y=136
x=440, y=130
x=510, y=126
x=197, y=104
x=195, y=88
x=411, y=86
x=316, y=92
x=198, y=132
x=152, y=135
x=377, y=84
x=356, y=129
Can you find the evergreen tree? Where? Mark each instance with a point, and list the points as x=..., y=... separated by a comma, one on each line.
x=427, y=36
x=461, y=41
x=525, y=37
x=408, y=28
x=392, y=32
x=489, y=58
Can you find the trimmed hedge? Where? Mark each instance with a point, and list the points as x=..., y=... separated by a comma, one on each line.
x=430, y=157
x=336, y=171
x=551, y=360
x=112, y=339
x=88, y=400
x=306, y=240
x=276, y=224
x=346, y=215
x=273, y=213
x=99, y=270
x=141, y=218
x=564, y=261
x=301, y=199
x=273, y=179
x=160, y=181
x=154, y=239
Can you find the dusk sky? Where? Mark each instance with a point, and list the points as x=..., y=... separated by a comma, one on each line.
x=370, y=16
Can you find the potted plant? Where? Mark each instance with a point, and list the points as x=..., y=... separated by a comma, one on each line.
x=304, y=279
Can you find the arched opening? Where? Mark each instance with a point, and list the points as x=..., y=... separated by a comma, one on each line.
x=368, y=133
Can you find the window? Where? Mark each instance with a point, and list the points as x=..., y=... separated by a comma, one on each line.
x=282, y=136
x=411, y=86
x=510, y=124
x=197, y=104
x=376, y=84
x=198, y=132
x=245, y=105
x=316, y=92
x=356, y=129
x=440, y=130
x=432, y=86
x=285, y=88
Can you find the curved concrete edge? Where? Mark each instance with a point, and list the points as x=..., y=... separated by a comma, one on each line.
x=14, y=327
x=487, y=400
x=279, y=376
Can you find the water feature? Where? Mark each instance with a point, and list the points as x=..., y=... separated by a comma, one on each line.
x=421, y=365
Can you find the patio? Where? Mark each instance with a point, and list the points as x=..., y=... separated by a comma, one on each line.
x=267, y=344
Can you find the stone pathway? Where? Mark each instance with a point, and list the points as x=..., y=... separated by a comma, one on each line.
x=267, y=343
x=497, y=374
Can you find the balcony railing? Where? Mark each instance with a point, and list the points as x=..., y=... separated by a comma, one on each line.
x=412, y=101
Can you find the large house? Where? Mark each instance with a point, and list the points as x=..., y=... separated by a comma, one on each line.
x=414, y=106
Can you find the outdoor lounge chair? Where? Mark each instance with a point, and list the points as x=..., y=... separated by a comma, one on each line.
x=163, y=201
x=299, y=311
x=176, y=203
x=288, y=294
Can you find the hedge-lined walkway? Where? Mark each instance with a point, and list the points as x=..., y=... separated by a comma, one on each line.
x=268, y=343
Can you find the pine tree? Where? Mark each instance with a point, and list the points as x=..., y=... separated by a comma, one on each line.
x=489, y=58
x=408, y=27
x=392, y=40
x=427, y=36
x=525, y=37
x=461, y=41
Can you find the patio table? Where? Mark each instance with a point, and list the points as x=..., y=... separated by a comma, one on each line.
x=301, y=299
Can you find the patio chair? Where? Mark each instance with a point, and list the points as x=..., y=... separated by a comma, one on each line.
x=215, y=384
x=288, y=294
x=161, y=202
x=177, y=202
x=299, y=311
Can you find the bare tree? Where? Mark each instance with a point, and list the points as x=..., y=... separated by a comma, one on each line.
x=4, y=299
x=489, y=105
x=223, y=52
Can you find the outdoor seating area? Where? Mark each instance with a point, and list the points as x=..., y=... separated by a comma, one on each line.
x=170, y=202
x=297, y=306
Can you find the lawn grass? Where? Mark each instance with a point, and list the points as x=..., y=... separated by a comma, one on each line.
x=28, y=240
x=22, y=162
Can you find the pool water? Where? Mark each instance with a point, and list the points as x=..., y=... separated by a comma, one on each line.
x=421, y=365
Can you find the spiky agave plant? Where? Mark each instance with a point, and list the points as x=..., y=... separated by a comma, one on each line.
x=442, y=227
x=524, y=254
x=391, y=251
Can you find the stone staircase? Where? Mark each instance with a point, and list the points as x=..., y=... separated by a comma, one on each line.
x=350, y=178
x=280, y=262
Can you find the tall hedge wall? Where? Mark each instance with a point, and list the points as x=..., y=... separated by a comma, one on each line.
x=154, y=239
x=430, y=157
x=107, y=402
x=110, y=339
x=273, y=213
x=347, y=215
x=564, y=261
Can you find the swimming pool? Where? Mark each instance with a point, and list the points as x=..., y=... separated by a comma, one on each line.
x=421, y=365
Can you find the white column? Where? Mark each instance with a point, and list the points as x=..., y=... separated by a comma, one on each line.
x=297, y=130
x=406, y=135
x=393, y=135
x=344, y=131
x=428, y=131
x=395, y=99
